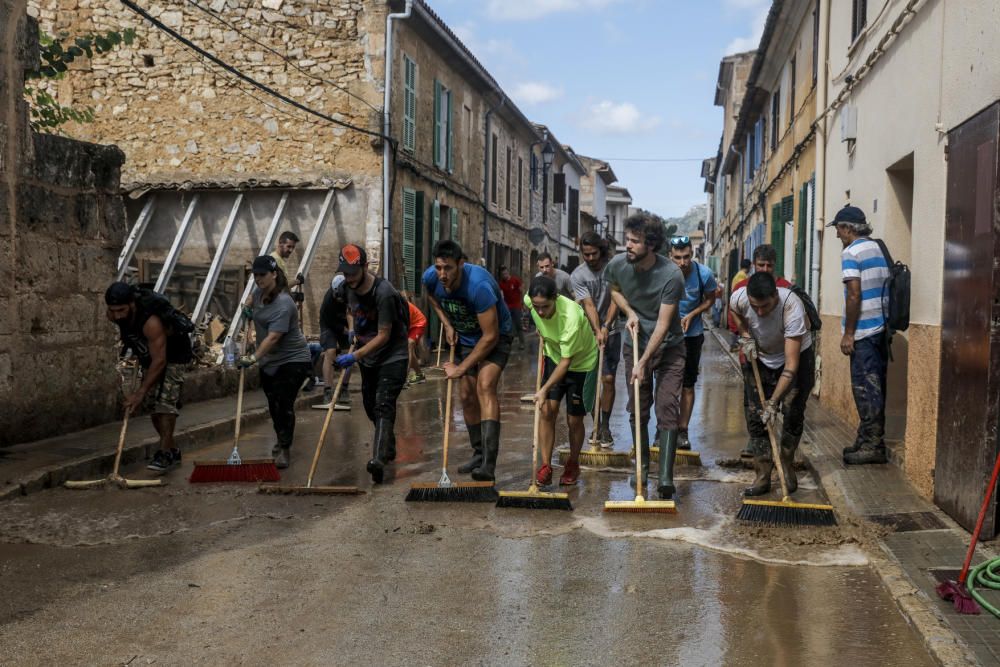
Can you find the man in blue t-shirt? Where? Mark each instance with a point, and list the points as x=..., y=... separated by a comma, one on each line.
x=699, y=295
x=477, y=322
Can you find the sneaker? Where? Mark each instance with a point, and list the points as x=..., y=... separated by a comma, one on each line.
x=571, y=472
x=164, y=460
x=683, y=442
x=606, y=439
x=544, y=476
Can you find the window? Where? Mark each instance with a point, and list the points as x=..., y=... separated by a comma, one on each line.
x=409, y=238
x=859, y=17
x=493, y=174
x=775, y=118
x=520, y=186
x=791, y=96
x=454, y=223
x=534, y=172
x=507, y=182
x=442, y=127
x=409, y=104
x=574, y=213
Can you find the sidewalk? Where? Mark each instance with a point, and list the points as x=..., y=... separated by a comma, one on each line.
x=922, y=540
x=89, y=454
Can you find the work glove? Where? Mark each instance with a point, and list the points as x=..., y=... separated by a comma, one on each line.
x=246, y=361
x=346, y=360
x=248, y=313
x=770, y=413
x=298, y=297
x=748, y=346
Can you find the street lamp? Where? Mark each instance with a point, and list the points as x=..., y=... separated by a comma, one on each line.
x=548, y=153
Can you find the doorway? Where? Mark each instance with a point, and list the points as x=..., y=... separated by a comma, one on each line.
x=897, y=236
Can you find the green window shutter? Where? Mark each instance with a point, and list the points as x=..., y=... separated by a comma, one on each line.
x=436, y=219
x=454, y=223
x=409, y=104
x=418, y=249
x=778, y=238
x=437, y=122
x=409, y=237
x=449, y=129
x=800, y=239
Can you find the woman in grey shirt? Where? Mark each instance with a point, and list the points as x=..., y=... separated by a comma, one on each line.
x=282, y=353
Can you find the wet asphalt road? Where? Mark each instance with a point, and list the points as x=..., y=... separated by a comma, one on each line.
x=218, y=574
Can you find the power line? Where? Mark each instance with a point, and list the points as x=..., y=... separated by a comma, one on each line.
x=284, y=57
x=654, y=159
x=253, y=82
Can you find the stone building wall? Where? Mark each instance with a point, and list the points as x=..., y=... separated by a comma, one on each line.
x=61, y=225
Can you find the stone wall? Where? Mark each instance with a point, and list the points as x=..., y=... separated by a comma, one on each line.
x=61, y=225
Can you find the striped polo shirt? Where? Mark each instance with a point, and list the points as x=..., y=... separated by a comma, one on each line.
x=863, y=260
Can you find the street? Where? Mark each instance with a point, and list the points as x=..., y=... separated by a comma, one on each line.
x=219, y=574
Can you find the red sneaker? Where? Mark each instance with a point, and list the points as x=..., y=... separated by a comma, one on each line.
x=544, y=476
x=571, y=472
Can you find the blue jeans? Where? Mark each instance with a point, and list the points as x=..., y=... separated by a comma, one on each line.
x=869, y=367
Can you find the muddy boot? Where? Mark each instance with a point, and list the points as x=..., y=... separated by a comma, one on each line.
x=282, y=460
x=747, y=452
x=763, y=465
x=668, y=450
x=491, y=447
x=853, y=448
x=867, y=454
x=476, y=439
x=788, y=466
x=376, y=466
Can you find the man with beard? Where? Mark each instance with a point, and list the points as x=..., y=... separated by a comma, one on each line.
x=547, y=268
x=648, y=288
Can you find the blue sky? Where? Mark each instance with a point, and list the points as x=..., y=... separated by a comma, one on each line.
x=617, y=78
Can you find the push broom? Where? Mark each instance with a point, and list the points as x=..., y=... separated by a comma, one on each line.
x=447, y=491
x=640, y=504
x=115, y=478
x=595, y=456
x=785, y=511
x=235, y=468
x=309, y=489
x=533, y=499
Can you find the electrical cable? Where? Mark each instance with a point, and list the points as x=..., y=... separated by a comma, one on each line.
x=253, y=82
x=654, y=159
x=285, y=58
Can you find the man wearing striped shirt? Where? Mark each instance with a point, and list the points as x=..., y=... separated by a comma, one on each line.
x=865, y=272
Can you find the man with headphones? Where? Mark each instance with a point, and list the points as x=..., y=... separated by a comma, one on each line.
x=648, y=288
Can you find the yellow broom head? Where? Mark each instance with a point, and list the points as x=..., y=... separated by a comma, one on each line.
x=640, y=506
x=682, y=457
x=598, y=458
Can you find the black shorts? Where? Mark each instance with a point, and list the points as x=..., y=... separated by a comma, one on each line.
x=693, y=359
x=498, y=355
x=612, y=353
x=579, y=388
x=330, y=340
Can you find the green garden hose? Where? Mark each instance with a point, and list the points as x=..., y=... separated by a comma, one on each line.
x=985, y=575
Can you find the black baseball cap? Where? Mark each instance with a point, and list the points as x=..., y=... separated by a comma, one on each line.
x=851, y=215
x=352, y=259
x=119, y=294
x=264, y=264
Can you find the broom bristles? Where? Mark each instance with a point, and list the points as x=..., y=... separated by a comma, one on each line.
x=310, y=490
x=458, y=493
x=599, y=459
x=641, y=506
x=535, y=501
x=959, y=596
x=786, y=514
x=217, y=471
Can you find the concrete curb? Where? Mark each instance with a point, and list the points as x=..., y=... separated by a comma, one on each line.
x=943, y=643
x=96, y=466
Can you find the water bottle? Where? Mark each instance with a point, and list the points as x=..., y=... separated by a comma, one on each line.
x=230, y=350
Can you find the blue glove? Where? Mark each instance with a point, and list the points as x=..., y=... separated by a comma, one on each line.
x=246, y=361
x=346, y=360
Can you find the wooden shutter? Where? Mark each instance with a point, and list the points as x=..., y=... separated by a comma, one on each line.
x=437, y=123
x=574, y=214
x=409, y=237
x=418, y=246
x=778, y=237
x=559, y=188
x=449, y=132
x=508, y=180
x=800, y=239
x=409, y=104
x=520, y=186
x=454, y=223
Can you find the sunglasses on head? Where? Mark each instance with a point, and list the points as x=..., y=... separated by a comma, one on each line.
x=680, y=241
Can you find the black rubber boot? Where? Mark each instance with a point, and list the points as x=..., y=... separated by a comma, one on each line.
x=390, y=452
x=668, y=450
x=853, y=448
x=762, y=483
x=476, y=440
x=376, y=466
x=788, y=465
x=867, y=455
x=491, y=447
x=282, y=460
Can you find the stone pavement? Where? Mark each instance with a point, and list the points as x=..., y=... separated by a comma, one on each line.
x=89, y=454
x=921, y=542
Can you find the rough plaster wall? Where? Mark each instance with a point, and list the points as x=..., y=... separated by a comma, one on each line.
x=60, y=224
x=184, y=118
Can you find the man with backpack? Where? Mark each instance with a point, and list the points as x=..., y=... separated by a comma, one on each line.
x=865, y=268
x=158, y=335
x=699, y=296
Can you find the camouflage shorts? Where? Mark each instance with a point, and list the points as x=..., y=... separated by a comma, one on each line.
x=165, y=397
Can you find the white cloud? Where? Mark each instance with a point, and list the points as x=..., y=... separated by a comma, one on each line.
x=606, y=117
x=527, y=10
x=530, y=93
x=752, y=41
x=494, y=49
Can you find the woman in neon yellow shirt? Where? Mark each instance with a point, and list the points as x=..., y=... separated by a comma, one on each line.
x=570, y=371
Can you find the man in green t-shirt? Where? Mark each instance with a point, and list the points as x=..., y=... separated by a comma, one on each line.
x=570, y=371
x=648, y=288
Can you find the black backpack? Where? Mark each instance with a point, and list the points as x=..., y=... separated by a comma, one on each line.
x=897, y=289
x=812, y=314
x=155, y=303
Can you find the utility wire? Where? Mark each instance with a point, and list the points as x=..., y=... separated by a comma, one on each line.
x=253, y=82
x=284, y=57
x=654, y=159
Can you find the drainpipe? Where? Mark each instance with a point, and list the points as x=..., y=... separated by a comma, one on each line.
x=386, y=148
x=813, y=239
x=487, y=175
